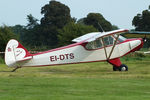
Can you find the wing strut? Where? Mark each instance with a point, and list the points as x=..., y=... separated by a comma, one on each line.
x=104, y=48
x=108, y=56
x=113, y=46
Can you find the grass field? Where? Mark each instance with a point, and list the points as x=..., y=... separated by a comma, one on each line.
x=89, y=81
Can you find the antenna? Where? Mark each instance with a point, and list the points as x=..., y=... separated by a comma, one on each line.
x=101, y=27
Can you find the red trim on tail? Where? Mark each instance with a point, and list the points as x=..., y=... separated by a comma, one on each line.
x=27, y=53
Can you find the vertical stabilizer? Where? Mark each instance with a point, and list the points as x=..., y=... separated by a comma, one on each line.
x=14, y=53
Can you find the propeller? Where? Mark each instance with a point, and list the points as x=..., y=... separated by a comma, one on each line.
x=144, y=39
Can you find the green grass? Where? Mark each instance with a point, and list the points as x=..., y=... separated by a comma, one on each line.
x=89, y=81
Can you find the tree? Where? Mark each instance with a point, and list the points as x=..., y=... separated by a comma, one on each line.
x=114, y=27
x=31, y=34
x=71, y=31
x=81, y=21
x=142, y=21
x=5, y=35
x=32, y=22
x=98, y=21
x=33, y=37
x=18, y=30
x=56, y=16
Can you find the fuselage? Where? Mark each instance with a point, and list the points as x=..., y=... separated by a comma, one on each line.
x=80, y=53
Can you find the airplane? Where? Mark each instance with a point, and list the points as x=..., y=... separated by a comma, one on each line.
x=91, y=47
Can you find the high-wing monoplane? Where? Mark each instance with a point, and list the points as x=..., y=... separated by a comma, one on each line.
x=92, y=47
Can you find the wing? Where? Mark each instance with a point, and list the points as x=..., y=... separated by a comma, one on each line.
x=93, y=36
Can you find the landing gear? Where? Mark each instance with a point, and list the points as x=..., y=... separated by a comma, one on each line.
x=117, y=65
x=115, y=68
x=122, y=67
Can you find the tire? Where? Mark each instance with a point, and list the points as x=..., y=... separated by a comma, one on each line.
x=115, y=68
x=123, y=67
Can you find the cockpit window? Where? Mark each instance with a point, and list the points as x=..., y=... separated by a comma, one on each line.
x=94, y=44
x=109, y=40
x=98, y=43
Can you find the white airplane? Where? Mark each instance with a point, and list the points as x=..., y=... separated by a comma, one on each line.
x=92, y=47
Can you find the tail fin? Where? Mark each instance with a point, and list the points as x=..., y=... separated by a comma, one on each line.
x=15, y=52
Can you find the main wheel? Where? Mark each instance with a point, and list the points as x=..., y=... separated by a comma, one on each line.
x=123, y=67
x=115, y=68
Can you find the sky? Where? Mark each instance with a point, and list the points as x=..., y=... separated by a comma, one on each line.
x=117, y=12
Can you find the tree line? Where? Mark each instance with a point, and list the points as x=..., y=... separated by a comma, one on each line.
x=58, y=28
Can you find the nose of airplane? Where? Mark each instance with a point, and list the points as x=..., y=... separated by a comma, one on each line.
x=136, y=44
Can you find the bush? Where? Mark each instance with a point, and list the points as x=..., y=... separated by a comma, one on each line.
x=136, y=56
x=1, y=60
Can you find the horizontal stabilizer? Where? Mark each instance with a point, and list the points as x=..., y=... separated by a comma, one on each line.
x=24, y=59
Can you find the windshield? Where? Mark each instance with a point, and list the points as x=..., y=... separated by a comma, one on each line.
x=121, y=38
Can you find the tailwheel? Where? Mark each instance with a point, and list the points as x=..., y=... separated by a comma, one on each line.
x=123, y=67
x=15, y=69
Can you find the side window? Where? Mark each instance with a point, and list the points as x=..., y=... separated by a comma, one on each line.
x=94, y=44
x=109, y=40
x=98, y=43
